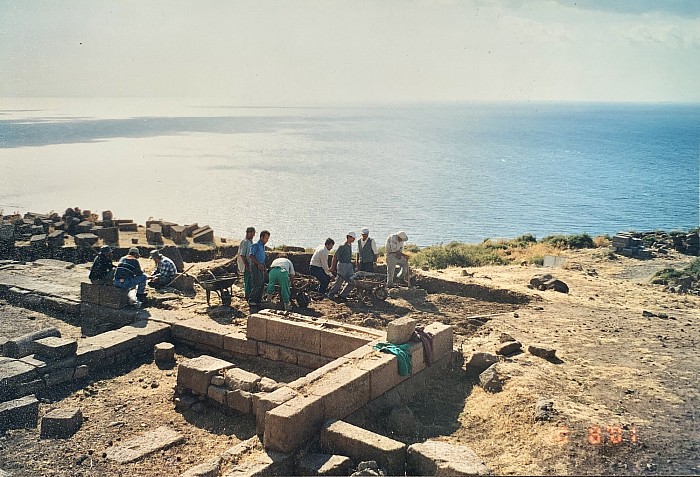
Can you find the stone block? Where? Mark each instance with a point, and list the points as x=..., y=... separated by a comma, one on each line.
x=479, y=361
x=85, y=239
x=400, y=331
x=61, y=423
x=324, y=464
x=237, y=378
x=38, y=241
x=201, y=332
x=154, y=234
x=418, y=361
x=542, y=351
x=56, y=348
x=256, y=328
x=443, y=459
x=491, y=379
x=26, y=344
x=203, y=235
x=56, y=239
x=362, y=445
x=335, y=344
x=342, y=392
x=311, y=361
x=217, y=393
x=164, y=353
x=127, y=226
x=269, y=402
x=238, y=343
x=21, y=413
x=277, y=353
x=189, y=229
x=167, y=228
x=12, y=374
x=90, y=293
x=108, y=234
x=196, y=373
x=210, y=468
x=291, y=424
x=144, y=445
x=81, y=371
x=95, y=319
x=89, y=354
x=58, y=376
x=292, y=334
x=83, y=227
x=241, y=401
x=178, y=234
x=508, y=348
x=442, y=339
x=383, y=372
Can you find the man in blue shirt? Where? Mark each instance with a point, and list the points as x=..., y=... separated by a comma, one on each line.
x=257, y=268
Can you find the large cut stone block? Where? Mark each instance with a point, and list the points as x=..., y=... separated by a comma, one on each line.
x=361, y=445
x=442, y=339
x=146, y=444
x=203, y=235
x=178, y=233
x=61, y=423
x=108, y=234
x=113, y=297
x=324, y=464
x=383, y=372
x=335, y=344
x=22, y=413
x=342, y=392
x=154, y=234
x=237, y=378
x=293, y=334
x=400, y=331
x=12, y=374
x=196, y=373
x=127, y=227
x=268, y=402
x=277, y=353
x=290, y=425
x=444, y=459
x=201, y=332
x=85, y=239
x=56, y=348
x=238, y=343
x=257, y=327
x=241, y=401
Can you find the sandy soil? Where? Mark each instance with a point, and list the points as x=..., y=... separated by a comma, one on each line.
x=616, y=369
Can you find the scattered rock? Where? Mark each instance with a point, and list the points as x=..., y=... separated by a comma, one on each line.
x=61, y=423
x=369, y=467
x=508, y=348
x=647, y=314
x=547, y=282
x=491, y=380
x=402, y=421
x=479, y=361
x=542, y=351
x=505, y=337
x=210, y=468
x=544, y=409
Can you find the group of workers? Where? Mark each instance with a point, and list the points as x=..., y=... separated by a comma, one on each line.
x=251, y=259
x=128, y=273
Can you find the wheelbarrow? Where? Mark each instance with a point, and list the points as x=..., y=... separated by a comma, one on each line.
x=221, y=285
x=370, y=283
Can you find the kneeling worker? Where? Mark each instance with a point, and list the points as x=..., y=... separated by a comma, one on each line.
x=281, y=273
x=165, y=270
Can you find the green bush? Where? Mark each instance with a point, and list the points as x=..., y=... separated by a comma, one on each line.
x=456, y=254
x=575, y=241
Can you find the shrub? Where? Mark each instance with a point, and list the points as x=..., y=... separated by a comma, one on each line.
x=575, y=241
x=456, y=254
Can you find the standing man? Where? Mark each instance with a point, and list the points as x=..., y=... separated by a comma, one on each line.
x=342, y=266
x=165, y=270
x=243, y=259
x=395, y=256
x=319, y=265
x=257, y=268
x=366, y=252
x=282, y=273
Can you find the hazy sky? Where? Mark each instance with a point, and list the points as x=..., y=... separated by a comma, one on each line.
x=317, y=52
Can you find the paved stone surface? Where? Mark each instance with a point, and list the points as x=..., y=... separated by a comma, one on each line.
x=146, y=444
x=46, y=277
x=443, y=459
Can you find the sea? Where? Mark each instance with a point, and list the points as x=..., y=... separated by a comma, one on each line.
x=441, y=172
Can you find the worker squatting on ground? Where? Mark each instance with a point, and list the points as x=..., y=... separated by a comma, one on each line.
x=165, y=270
x=319, y=265
x=395, y=257
x=342, y=267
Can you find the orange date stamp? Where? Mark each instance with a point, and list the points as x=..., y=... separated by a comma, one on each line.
x=598, y=435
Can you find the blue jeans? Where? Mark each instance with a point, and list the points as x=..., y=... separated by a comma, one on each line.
x=129, y=283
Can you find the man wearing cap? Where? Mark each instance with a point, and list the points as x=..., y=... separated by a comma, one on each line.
x=366, y=252
x=319, y=265
x=342, y=266
x=243, y=259
x=257, y=268
x=129, y=274
x=165, y=270
x=282, y=274
x=395, y=256
x=102, y=266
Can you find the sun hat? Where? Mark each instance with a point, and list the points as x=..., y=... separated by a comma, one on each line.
x=134, y=251
x=155, y=254
x=105, y=249
x=364, y=231
x=351, y=234
x=402, y=235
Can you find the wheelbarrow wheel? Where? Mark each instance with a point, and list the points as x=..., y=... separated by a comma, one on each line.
x=226, y=297
x=381, y=293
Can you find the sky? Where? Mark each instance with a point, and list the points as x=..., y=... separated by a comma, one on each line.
x=307, y=52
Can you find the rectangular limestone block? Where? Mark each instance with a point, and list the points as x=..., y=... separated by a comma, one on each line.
x=292, y=424
x=418, y=363
x=304, y=382
x=114, y=342
x=154, y=233
x=149, y=332
x=256, y=328
x=442, y=339
x=361, y=445
x=342, y=391
x=335, y=344
x=22, y=413
x=442, y=458
x=239, y=343
x=146, y=444
x=311, y=361
x=201, y=332
x=266, y=403
x=108, y=234
x=196, y=373
x=203, y=235
x=178, y=233
x=85, y=239
x=384, y=372
x=12, y=374
x=90, y=293
x=127, y=226
x=56, y=348
x=293, y=334
x=400, y=331
x=61, y=423
x=237, y=378
x=217, y=393
x=241, y=401
x=277, y=353
x=89, y=354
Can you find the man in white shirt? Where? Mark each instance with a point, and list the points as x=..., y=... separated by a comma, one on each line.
x=281, y=273
x=366, y=252
x=319, y=265
x=395, y=256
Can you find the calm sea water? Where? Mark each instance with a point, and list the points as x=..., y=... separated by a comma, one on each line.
x=441, y=172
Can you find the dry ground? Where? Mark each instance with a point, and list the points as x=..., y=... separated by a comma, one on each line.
x=617, y=368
